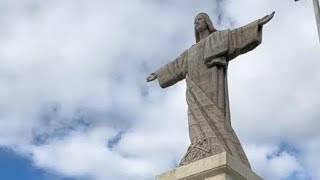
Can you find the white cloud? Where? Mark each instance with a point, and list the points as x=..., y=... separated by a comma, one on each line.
x=86, y=155
x=311, y=157
x=273, y=163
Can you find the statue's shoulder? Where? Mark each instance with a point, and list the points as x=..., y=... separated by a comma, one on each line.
x=219, y=34
x=194, y=46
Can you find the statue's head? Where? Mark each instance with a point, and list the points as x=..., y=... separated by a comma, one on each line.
x=202, y=22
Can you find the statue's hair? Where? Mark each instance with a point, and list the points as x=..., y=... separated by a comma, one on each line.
x=209, y=23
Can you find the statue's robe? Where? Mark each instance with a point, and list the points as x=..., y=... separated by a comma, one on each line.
x=209, y=122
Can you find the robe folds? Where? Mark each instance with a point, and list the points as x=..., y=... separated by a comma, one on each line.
x=202, y=66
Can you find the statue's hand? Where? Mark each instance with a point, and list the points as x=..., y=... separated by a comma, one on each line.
x=266, y=19
x=151, y=77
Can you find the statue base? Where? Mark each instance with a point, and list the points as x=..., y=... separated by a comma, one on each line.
x=218, y=167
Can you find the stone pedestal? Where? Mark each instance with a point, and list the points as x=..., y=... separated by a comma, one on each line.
x=218, y=167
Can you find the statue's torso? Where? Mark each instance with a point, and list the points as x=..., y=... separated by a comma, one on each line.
x=209, y=79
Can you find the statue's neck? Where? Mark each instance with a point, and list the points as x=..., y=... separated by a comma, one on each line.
x=204, y=34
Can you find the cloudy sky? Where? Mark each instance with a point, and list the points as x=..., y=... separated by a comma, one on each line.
x=74, y=104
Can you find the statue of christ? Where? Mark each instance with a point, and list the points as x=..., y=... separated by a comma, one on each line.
x=204, y=67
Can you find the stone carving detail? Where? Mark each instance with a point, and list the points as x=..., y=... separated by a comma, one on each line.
x=198, y=149
x=204, y=66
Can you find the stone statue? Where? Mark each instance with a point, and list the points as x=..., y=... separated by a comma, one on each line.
x=204, y=66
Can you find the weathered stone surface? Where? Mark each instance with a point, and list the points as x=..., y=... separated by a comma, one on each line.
x=317, y=14
x=204, y=66
x=218, y=167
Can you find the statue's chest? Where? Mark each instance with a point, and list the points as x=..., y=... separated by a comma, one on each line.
x=196, y=56
x=196, y=51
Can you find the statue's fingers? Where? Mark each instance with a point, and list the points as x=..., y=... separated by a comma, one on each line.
x=267, y=19
x=151, y=78
x=264, y=17
x=148, y=79
x=271, y=15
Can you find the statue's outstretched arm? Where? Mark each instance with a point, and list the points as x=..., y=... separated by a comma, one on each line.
x=246, y=38
x=172, y=72
x=266, y=19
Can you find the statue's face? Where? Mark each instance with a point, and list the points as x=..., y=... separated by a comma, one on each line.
x=200, y=23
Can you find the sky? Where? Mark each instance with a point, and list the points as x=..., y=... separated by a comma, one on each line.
x=75, y=105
